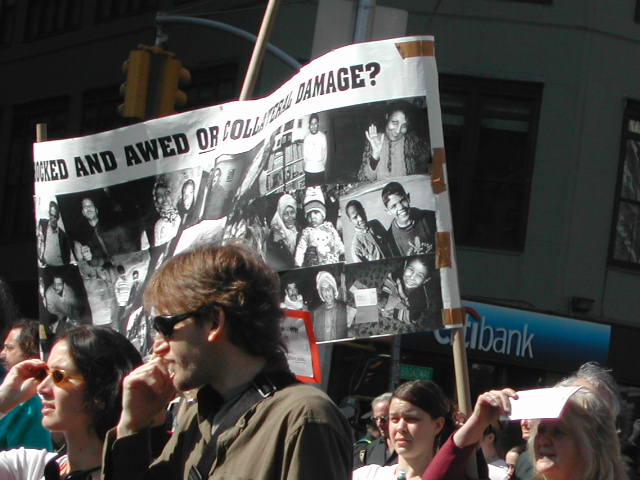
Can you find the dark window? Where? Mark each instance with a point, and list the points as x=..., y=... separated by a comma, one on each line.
x=625, y=243
x=212, y=86
x=100, y=110
x=46, y=18
x=637, y=18
x=542, y=2
x=490, y=131
x=107, y=10
x=7, y=19
x=16, y=217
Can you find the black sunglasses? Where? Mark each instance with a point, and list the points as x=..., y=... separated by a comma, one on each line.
x=164, y=324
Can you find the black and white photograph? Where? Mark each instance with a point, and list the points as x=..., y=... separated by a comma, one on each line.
x=377, y=141
x=321, y=291
x=395, y=296
x=64, y=298
x=389, y=219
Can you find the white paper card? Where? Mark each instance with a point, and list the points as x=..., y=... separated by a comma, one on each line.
x=365, y=297
x=541, y=402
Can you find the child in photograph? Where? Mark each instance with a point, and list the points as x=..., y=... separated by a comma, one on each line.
x=412, y=231
x=320, y=242
x=369, y=237
x=407, y=299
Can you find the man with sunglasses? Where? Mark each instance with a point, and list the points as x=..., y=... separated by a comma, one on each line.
x=379, y=451
x=22, y=426
x=217, y=314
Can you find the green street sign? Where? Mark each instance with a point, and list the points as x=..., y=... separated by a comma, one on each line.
x=415, y=372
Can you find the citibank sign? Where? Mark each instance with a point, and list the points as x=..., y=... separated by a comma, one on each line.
x=543, y=339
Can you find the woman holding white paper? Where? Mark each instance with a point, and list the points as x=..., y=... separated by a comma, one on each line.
x=582, y=444
x=420, y=426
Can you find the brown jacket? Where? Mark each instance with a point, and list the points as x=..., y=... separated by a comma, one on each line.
x=297, y=433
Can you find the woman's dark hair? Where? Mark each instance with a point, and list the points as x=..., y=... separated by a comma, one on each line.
x=103, y=357
x=429, y=397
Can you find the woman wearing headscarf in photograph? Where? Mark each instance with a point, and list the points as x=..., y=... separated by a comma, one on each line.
x=397, y=151
x=330, y=318
x=281, y=245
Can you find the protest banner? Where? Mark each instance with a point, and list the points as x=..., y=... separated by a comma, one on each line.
x=336, y=179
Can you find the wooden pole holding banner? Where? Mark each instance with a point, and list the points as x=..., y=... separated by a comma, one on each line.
x=462, y=372
x=41, y=136
x=258, y=50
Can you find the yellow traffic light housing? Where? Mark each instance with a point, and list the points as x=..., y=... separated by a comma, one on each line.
x=136, y=87
x=152, y=88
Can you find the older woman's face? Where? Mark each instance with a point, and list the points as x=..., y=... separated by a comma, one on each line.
x=289, y=216
x=396, y=126
x=63, y=404
x=556, y=453
x=412, y=430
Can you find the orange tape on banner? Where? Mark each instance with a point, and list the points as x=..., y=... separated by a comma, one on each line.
x=438, y=183
x=417, y=48
x=452, y=316
x=443, y=249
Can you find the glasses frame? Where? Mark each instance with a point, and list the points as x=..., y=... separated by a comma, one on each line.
x=165, y=324
x=54, y=372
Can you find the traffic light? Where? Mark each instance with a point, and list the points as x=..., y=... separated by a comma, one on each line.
x=136, y=86
x=168, y=94
x=152, y=88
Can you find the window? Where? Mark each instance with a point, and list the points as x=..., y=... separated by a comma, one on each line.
x=637, y=17
x=107, y=10
x=7, y=19
x=489, y=130
x=625, y=243
x=100, y=111
x=46, y=18
x=16, y=212
x=212, y=86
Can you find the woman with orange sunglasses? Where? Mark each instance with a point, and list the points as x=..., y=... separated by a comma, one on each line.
x=81, y=390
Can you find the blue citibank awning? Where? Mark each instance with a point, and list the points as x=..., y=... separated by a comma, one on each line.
x=538, y=340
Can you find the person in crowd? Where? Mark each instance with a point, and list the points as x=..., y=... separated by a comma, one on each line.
x=81, y=388
x=281, y=246
x=498, y=469
x=217, y=314
x=421, y=424
x=319, y=242
x=397, y=151
x=63, y=303
x=511, y=459
x=330, y=317
x=293, y=299
x=22, y=426
x=369, y=236
x=412, y=231
x=380, y=451
x=524, y=466
x=314, y=150
x=54, y=248
x=186, y=203
x=105, y=240
x=582, y=444
x=407, y=300
x=8, y=310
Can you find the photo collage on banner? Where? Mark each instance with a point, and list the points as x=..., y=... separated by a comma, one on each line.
x=334, y=193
